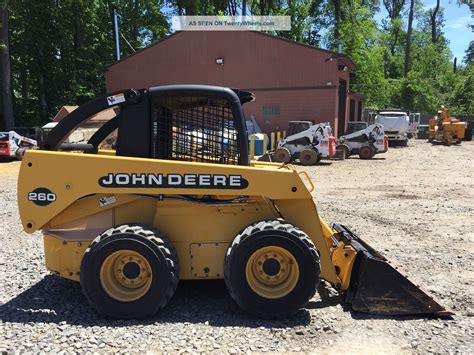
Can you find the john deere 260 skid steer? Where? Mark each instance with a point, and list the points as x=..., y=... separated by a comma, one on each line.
x=179, y=199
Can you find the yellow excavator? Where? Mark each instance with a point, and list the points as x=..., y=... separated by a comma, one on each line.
x=179, y=199
x=446, y=129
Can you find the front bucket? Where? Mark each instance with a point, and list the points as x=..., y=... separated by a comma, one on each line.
x=376, y=287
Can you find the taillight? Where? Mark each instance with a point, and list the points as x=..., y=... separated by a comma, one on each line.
x=332, y=146
x=4, y=148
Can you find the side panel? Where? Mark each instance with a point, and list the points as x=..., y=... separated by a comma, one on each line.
x=67, y=177
x=204, y=227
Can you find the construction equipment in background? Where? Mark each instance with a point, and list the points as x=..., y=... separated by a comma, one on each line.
x=12, y=145
x=423, y=130
x=366, y=142
x=414, y=123
x=307, y=142
x=396, y=124
x=129, y=223
x=446, y=129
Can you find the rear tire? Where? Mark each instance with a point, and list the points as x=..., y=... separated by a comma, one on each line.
x=272, y=269
x=129, y=271
x=282, y=155
x=366, y=152
x=308, y=157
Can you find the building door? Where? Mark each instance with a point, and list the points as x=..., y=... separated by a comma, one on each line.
x=359, y=111
x=352, y=110
x=341, y=122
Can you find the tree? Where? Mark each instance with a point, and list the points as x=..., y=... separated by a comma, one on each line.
x=394, y=27
x=408, y=39
x=433, y=19
x=9, y=121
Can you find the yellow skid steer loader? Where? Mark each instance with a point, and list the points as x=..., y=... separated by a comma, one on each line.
x=179, y=199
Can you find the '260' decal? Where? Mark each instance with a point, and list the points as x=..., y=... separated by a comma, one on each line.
x=41, y=196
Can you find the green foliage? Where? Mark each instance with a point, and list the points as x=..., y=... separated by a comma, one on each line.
x=60, y=48
x=462, y=101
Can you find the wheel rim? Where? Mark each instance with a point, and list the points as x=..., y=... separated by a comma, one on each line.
x=282, y=156
x=308, y=157
x=272, y=272
x=365, y=152
x=126, y=275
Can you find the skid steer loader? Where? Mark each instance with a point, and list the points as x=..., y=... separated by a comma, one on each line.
x=366, y=143
x=179, y=199
x=307, y=142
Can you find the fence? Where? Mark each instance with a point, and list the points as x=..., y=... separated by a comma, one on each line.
x=269, y=142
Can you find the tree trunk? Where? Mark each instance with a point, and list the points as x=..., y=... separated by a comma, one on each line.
x=395, y=41
x=337, y=22
x=433, y=14
x=42, y=100
x=408, y=43
x=7, y=96
x=244, y=7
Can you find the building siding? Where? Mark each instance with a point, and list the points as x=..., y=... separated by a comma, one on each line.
x=298, y=79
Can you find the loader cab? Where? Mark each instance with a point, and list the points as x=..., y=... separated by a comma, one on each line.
x=295, y=127
x=355, y=126
x=197, y=123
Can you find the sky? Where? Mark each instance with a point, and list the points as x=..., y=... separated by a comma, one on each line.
x=457, y=18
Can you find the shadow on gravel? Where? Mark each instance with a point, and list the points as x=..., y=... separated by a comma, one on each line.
x=56, y=300
x=320, y=163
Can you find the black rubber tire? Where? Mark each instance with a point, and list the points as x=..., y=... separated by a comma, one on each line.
x=275, y=233
x=151, y=244
x=19, y=153
x=308, y=157
x=346, y=149
x=282, y=155
x=366, y=152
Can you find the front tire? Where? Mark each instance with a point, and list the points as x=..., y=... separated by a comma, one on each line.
x=129, y=271
x=345, y=149
x=20, y=152
x=272, y=269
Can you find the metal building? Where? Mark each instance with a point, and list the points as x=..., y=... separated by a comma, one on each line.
x=291, y=80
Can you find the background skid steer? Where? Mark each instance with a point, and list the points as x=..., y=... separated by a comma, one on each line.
x=179, y=199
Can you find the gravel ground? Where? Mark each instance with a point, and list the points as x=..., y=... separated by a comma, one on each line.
x=413, y=204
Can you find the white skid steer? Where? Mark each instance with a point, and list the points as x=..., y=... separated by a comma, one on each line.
x=307, y=142
x=366, y=142
x=12, y=145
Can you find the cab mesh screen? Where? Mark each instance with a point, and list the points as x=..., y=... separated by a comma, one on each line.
x=193, y=128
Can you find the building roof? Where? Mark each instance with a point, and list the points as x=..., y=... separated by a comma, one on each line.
x=99, y=117
x=63, y=112
x=344, y=59
x=356, y=95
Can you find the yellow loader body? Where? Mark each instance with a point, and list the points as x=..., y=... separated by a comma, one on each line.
x=77, y=215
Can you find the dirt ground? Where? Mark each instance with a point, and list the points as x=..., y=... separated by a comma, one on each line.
x=414, y=204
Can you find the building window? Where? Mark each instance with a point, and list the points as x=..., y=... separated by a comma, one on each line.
x=269, y=111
